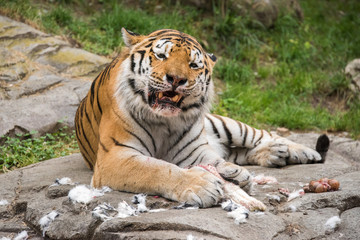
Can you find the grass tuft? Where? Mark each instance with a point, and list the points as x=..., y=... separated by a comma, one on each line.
x=24, y=150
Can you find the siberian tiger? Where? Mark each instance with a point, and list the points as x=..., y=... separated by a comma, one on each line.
x=146, y=118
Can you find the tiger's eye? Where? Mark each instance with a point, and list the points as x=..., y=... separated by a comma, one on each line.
x=193, y=65
x=161, y=56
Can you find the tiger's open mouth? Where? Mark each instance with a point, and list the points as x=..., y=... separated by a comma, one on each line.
x=167, y=99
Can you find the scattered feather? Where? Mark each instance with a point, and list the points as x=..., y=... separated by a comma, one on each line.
x=191, y=237
x=261, y=179
x=5, y=238
x=125, y=210
x=22, y=236
x=186, y=206
x=3, y=202
x=140, y=200
x=236, y=211
x=259, y=213
x=46, y=220
x=239, y=214
x=104, y=212
x=157, y=210
x=293, y=195
x=62, y=181
x=332, y=224
x=84, y=194
x=296, y=194
x=292, y=208
x=274, y=197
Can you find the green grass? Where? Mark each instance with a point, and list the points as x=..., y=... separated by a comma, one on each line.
x=290, y=75
x=23, y=150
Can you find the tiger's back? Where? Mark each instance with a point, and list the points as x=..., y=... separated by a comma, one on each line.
x=89, y=113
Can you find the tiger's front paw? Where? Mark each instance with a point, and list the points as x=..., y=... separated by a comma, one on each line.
x=199, y=188
x=236, y=174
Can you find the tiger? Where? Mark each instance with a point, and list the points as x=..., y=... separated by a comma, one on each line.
x=145, y=125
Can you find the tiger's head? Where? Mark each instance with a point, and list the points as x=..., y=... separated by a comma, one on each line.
x=169, y=72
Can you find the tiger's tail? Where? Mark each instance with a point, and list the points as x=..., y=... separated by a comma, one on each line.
x=322, y=146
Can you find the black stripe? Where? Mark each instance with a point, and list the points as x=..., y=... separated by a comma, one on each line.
x=214, y=127
x=127, y=146
x=252, y=140
x=194, y=43
x=186, y=145
x=88, y=118
x=202, y=158
x=141, y=59
x=97, y=99
x=149, y=45
x=83, y=154
x=195, y=105
x=228, y=133
x=240, y=126
x=132, y=63
x=148, y=133
x=236, y=155
x=121, y=119
x=181, y=137
x=261, y=136
x=189, y=155
x=86, y=139
x=140, y=140
x=103, y=146
x=140, y=92
x=77, y=118
x=92, y=90
x=191, y=164
x=162, y=32
x=245, y=135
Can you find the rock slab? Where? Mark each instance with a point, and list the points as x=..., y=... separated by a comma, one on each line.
x=31, y=196
x=40, y=68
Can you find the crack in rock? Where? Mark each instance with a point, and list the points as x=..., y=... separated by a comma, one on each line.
x=30, y=35
x=125, y=227
x=40, y=90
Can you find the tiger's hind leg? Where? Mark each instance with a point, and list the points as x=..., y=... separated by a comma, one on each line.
x=279, y=152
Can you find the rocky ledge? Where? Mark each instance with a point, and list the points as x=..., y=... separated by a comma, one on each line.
x=40, y=68
x=31, y=195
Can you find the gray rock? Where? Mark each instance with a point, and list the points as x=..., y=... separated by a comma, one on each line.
x=31, y=197
x=42, y=79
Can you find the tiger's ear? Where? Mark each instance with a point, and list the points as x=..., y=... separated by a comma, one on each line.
x=131, y=38
x=212, y=59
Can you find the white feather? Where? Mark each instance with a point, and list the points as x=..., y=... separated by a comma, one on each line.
x=3, y=202
x=332, y=224
x=46, y=220
x=22, y=236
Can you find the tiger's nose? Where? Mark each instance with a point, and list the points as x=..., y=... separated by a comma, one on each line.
x=175, y=81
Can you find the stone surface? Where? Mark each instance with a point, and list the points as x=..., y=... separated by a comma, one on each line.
x=31, y=197
x=40, y=68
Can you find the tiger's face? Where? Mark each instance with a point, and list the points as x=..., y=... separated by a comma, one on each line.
x=169, y=71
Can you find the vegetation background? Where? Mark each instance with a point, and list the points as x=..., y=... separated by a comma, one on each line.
x=288, y=74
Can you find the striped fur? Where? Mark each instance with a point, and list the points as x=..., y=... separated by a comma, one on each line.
x=146, y=117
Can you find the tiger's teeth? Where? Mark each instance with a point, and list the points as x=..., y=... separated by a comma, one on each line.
x=160, y=95
x=175, y=98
